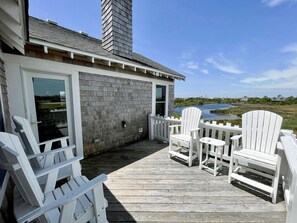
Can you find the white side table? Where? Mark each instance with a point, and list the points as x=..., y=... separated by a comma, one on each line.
x=218, y=145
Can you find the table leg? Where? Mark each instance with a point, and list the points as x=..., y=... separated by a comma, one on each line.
x=221, y=157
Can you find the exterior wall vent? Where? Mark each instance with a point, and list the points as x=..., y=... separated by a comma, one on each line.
x=83, y=33
x=52, y=22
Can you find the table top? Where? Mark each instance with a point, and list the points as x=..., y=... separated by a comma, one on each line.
x=212, y=141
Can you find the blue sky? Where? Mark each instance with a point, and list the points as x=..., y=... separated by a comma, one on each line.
x=225, y=48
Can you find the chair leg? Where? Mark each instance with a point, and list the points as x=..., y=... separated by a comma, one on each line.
x=275, y=180
x=190, y=153
x=230, y=168
x=170, y=148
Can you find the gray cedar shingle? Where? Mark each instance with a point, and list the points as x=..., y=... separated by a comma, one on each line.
x=43, y=30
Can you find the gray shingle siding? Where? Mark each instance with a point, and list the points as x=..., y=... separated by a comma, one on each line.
x=171, y=100
x=117, y=27
x=105, y=103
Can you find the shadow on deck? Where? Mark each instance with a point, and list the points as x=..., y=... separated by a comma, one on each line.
x=144, y=185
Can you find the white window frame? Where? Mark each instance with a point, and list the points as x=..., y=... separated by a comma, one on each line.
x=154, y=102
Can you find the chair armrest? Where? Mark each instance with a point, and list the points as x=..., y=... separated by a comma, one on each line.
x=279, y=146
x=235, y=142
x=48, y=144
x=53, y=140
x=235, y=138
x=83, y=189
x=51, y=152
x=195, y=130
x=174, y=126
x=58, y=166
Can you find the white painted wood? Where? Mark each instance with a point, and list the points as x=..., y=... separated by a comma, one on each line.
x=260, y=133
x=12, y=25
x=49, y=157
x=292, y=206
x=252, y=182
x=218, y=149
x=16, y=89
x=208, y=129
x=188, y=136
x=109, y=60
x=67, y=203
x=288, y=151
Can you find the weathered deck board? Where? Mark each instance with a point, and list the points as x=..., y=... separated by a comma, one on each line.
x=144, y=185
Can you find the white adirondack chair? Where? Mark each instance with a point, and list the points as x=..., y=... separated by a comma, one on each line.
x=78, y=200
x=185, y=136
x=257, y=151
x=49, y=157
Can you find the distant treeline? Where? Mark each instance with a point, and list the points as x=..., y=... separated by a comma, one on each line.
x=182, y=102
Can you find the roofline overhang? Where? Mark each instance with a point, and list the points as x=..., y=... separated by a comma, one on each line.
x=123, y=64
x=14, y=23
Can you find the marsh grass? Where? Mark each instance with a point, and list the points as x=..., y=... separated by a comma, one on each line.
x=288, y=112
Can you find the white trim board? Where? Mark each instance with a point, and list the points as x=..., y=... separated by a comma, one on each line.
x=30, y=63
x=17, y=92
x=94, y=56
x=16, y=65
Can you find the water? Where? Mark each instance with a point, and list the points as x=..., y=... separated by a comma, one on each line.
x=207, y=115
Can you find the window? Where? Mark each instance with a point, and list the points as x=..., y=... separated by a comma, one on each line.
x=160, y=100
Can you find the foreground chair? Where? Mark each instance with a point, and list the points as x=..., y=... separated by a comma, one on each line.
x=184, y=136
x=260, y=133
x=50, y=156
x=78, y=200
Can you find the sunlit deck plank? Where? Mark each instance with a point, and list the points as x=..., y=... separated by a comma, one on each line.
x=144, y=185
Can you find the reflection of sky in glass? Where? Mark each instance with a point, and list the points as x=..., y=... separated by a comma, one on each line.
x=47, y=87
x=159, y=93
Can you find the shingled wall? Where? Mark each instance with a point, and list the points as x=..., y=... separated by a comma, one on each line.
x=171, y=100
x=105, y=103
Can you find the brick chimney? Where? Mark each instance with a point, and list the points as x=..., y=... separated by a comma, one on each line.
x=117, y=27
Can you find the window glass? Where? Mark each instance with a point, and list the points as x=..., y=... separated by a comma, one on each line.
x=160, y=100
x=160, y=93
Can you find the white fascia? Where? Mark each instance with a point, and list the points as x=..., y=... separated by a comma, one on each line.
x=108, y=60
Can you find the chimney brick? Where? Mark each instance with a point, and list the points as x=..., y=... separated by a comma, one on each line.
x=117, y=27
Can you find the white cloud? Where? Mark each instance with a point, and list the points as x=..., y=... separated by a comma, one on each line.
x=294, y=61
x=221, y=63
x=204, y=71
x=192, y=65
x=189, y=65
x=273, y=3
x=283, y=79
x=290, y=48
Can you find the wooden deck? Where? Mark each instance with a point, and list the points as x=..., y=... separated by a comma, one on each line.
x=144, y=185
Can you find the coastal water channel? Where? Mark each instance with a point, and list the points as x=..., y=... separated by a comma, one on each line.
x=206, y=111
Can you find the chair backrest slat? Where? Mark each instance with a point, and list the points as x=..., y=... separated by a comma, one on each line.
x=190, y=119
x=24, y=128
x=260, y=130
x=12, y=154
